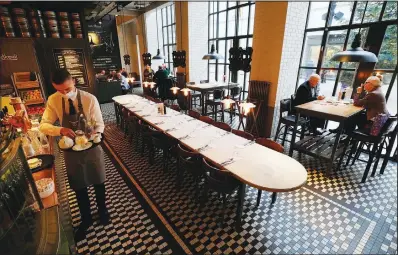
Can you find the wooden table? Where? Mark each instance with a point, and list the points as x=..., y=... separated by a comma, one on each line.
x=205, y=88
x=327, y=145
x=253, y=164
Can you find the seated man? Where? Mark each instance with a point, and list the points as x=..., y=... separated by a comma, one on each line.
x=101, y=76
x=160, y=75
x=371, y=97
x=307, y=92
x=123, y=83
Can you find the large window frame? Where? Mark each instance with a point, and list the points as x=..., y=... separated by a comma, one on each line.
x=167, y=17
x=241, y=35
x=352, y=25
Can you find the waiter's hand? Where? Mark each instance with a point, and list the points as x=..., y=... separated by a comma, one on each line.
x=68, y=132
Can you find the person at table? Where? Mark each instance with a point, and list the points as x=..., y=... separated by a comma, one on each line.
x=83, y=168
x=124, y=72
x=125, y=86
x=160, y=75
x=307, y=92
x=167, y=71
x=148, y=73
x=371, y=97
x=112, y=75
x=101, y=76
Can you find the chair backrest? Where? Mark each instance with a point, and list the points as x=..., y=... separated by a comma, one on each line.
x=194, y=114
x=189, y=160
x=218, y=93
x=243, y=134
x=390, y=127
x=204, y=81
x=149, y=98
x=206, y=119
x=175, y=107
x=223, y=126
x=217, y=178
x=183, y=101
x=181, y=80
x=270, y=144
x=235, y=92
x=157, y=100
x=285, y=106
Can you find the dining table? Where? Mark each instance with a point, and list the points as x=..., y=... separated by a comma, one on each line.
x=249, y=162
x=205, y=88
x=326, y=146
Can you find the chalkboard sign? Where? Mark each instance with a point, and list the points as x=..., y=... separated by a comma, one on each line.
x=73, y=61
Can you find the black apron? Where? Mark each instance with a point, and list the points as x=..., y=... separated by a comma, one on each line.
x=84, y=168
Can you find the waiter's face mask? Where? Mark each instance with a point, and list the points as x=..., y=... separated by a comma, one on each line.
x=67, y=88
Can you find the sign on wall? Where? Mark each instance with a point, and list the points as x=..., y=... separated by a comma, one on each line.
x=73, y=61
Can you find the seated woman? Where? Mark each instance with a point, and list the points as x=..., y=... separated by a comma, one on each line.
x=371, y=97
x=148, y=73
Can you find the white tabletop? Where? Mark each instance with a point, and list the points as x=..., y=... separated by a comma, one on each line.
x=211, y=85
x=251, y=163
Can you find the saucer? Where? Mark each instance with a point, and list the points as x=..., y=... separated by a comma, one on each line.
x=82, y=148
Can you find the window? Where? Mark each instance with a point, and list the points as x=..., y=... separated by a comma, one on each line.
x=169, y=34
x=230, y=24
x=331, y=28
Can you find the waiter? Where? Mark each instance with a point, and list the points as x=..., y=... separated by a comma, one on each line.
x=84, y=168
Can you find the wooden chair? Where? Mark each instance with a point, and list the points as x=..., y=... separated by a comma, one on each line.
x=194, y=114
x=243, y=134
x=165, y=144
x=195, y=95
x=220, y=181
x=215, y=103
x=206, y=119
x=223, y=126
x=273, y=146
x=190, y=162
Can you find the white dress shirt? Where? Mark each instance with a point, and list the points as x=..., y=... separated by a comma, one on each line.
x=53, y=112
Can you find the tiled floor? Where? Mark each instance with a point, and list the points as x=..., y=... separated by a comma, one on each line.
x=335, y=214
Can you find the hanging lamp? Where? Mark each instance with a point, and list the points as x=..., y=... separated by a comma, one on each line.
x=158, y=55
x=213, y=53
x=355, y=54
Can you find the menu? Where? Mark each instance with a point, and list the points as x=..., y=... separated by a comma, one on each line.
x=73, y=61
x=106, y=63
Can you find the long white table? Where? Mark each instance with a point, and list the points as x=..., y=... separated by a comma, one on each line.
x=251, y=163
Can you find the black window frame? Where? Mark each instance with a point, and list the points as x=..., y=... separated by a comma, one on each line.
x=223, y=66
x=350, y=26
x=168, y=11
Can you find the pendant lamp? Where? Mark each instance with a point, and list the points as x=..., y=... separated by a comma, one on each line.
x=213, y=54
x=158, y=55
x=355, y=54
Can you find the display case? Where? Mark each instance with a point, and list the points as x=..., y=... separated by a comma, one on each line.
x=28, y=86
x=19, y=200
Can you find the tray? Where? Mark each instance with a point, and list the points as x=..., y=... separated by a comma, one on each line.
x=47, y=162
x=92, y=147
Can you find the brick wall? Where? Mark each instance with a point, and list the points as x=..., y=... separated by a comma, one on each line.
x=291, y=52
x=198, y=38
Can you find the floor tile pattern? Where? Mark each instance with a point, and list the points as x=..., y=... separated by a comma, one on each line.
x=334, y=214
x=131, y=230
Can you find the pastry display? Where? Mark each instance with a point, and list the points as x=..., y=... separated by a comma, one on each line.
x=45, y=187
x=31, y=95
x=34, y=163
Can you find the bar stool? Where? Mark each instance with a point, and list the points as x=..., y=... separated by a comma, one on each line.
x=288, y=120
x=273, y=146
x=360, y=138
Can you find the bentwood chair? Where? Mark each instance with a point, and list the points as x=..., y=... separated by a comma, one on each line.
x=235, y=96
x=287, y=119
x=191, y=163
x=273, y=146
x=194, y=114
x=243, y=134
x=223, y=126
x=206, y=119
x=165, y=144
x=125, y=117
x=361, y=138
x=219, y=181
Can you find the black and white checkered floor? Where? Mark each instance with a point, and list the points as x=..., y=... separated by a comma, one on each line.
x=329, y=215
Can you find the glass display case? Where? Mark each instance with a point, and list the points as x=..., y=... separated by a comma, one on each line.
x=19, y=199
